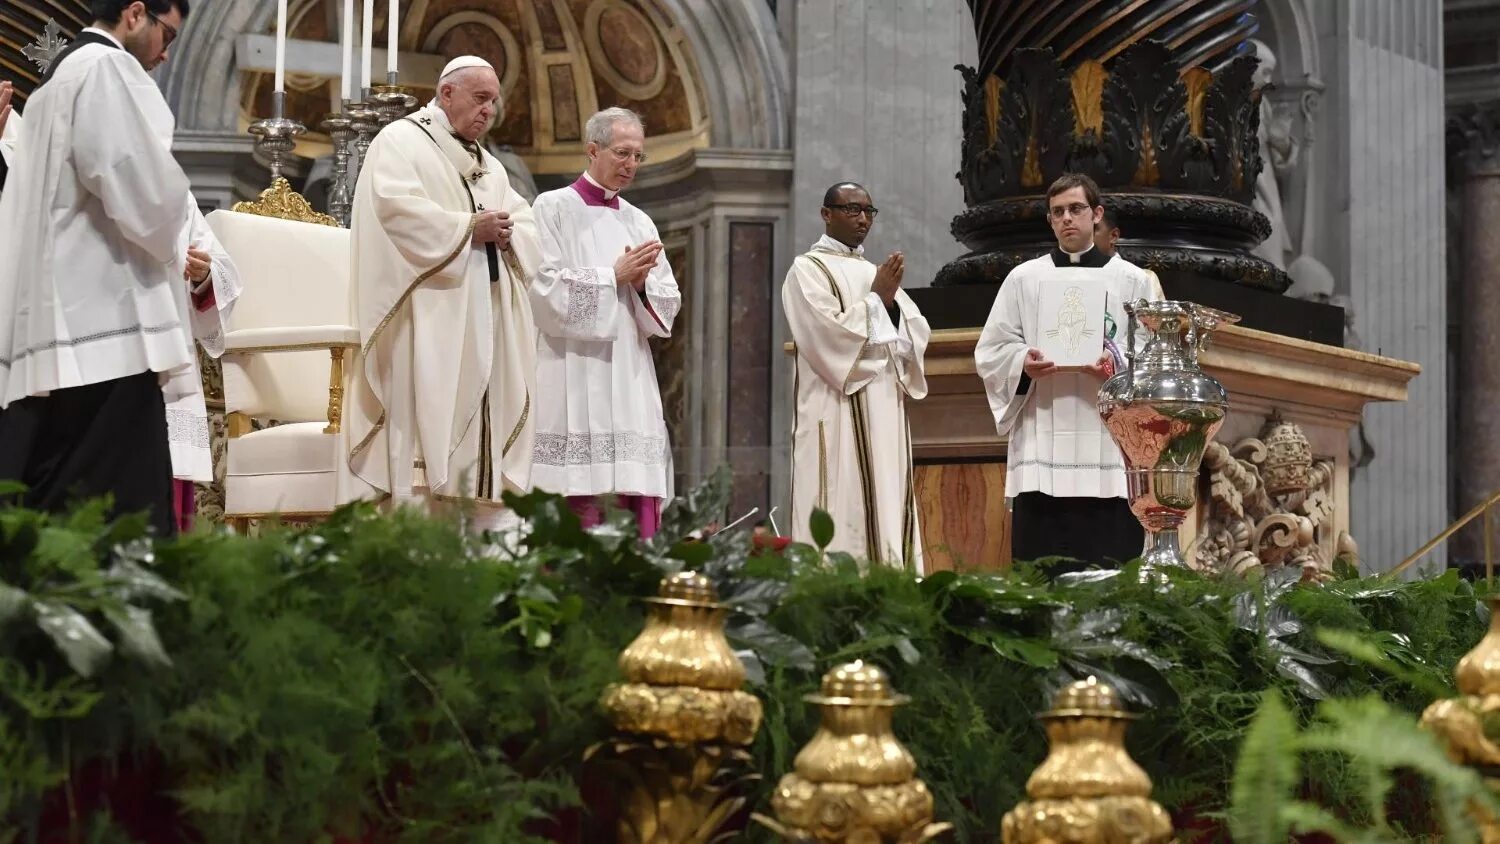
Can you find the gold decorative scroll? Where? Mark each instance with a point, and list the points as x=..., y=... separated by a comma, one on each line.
x=279, y=200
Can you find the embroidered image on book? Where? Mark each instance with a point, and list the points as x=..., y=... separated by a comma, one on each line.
x=1071, y=319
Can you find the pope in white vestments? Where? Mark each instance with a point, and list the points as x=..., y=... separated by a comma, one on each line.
x=860, y=347
x=1064, y=473
x=604, y=287
x=94, y=227
x=445, y=400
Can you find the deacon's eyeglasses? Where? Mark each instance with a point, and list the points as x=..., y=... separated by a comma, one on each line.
x=852, y=209
x=1057, y=212
x=625, y=154
x=171, y=31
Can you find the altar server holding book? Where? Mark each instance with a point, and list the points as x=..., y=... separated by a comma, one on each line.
x=1045, y=350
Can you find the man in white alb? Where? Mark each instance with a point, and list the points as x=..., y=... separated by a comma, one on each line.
x=860, y=345
x=603, y=288
x=215, y=284
x=95, y=229
x=440, y=252
x=1064, y=473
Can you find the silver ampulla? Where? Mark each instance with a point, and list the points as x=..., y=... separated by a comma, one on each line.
x=1162, y=412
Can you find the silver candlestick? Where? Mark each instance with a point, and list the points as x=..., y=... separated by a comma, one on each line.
x=340, y=129
x=276, y=136
x=365, y=122
x=391, y=101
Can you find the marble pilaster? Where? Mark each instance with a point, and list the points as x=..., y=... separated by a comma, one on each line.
x=1478, y=467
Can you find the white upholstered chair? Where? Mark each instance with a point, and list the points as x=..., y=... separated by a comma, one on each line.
x=289, y=354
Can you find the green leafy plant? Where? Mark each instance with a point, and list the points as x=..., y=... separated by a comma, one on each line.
x=1376, y=742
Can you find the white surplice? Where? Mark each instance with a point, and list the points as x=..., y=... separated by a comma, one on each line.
x=187, y=412
x=94, y=290
x=443, y=405
x=599, y=421
x=1058, y=445
x=855, y=370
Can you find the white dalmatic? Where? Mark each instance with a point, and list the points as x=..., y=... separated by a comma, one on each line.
x=599, y=427
x=187, y=412
x=93, y=291
x=856, y=369
x=443, y=402
x=1058, y=444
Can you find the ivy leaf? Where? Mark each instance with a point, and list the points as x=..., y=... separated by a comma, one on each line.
x=821, y=527
x=81, y=643
x=138, y=638
x=13, y=602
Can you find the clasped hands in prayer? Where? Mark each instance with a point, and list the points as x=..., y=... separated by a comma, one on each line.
x=888, y=278
x=492, y=227
x=1037, y=366
x=635, y=264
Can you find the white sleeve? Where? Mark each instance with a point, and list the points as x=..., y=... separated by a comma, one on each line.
x=122, y=154
x=571, y=302
x=657, y=309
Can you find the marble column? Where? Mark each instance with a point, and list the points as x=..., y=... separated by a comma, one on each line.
x=1478, y=452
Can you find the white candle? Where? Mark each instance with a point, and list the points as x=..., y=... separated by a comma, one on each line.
x=280, y=45
x=392, y=28
x=347, y=43
x=367, y=42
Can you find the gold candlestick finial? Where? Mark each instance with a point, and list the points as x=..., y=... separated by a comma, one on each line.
x=1088, y=790
x=684, y=718
x=1460, y=722
x=854, y=781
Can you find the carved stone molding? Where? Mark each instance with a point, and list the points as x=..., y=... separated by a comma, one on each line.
x=1474, y=137
x=1270, y=502
x=1175, y=147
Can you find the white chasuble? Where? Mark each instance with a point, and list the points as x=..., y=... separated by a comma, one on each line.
x=443, y=400
x=855, y=370
x=92, y=290
x=1058, y=444
x=599, y=425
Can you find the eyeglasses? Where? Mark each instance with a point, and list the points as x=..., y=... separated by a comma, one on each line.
x=853, y=209
x=171, y=31
x=1077, y=209
x=622, y=154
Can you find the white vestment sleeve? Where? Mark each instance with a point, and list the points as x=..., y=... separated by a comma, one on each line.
x=8, y=137
x=209, y=325
x=911, y=347
x=1000, y=355
x=657, y=310
x=835, y=342
x=123, y=157
x=573, y=303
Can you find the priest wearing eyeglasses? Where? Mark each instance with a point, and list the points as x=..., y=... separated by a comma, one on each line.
x=95, y=317
x=604, y=287
x=860, y=345
x=1064, y=474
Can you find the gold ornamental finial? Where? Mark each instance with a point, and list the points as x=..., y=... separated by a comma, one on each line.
x=854, y=781
x=1088, y=790
x=1460, y=722
x=682, y=678
x=684, y=718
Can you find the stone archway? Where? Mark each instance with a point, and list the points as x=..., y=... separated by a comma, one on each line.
x=742, y=79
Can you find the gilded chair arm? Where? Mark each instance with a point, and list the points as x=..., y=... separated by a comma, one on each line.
x=300, y=338
x=336, y=339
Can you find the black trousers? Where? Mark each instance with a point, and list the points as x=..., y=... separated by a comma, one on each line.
x=1087, y=531
x=85, y=442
